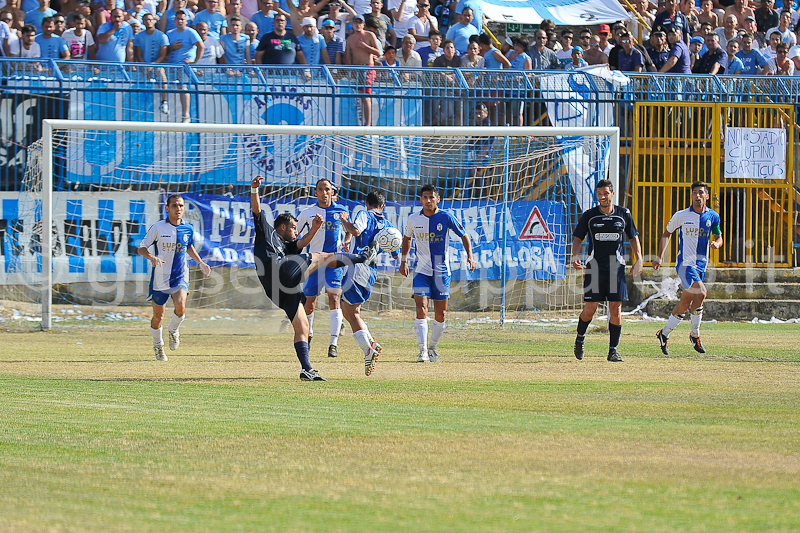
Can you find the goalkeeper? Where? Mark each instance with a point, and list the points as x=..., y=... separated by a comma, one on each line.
x=281, y=269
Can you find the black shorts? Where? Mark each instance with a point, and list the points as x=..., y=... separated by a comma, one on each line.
x=282, y=280
x=602, y=284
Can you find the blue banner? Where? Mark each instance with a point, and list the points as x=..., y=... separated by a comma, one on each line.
x=536, y=237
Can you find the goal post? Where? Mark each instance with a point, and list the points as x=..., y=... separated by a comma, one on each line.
x=404, y=158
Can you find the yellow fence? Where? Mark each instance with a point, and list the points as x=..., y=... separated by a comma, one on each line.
x=675, y=144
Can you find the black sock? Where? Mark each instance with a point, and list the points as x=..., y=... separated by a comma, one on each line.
x=347, y=259
x=302, y=354
x=614, y=334
x=582, y=327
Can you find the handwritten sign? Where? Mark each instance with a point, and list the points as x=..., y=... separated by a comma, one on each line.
x=755, y=153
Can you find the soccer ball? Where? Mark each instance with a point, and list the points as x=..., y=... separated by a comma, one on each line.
x=389, y=239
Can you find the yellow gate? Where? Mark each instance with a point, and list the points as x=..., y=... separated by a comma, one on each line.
x=675, y=144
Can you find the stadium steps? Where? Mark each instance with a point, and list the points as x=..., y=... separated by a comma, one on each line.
x=733, y=293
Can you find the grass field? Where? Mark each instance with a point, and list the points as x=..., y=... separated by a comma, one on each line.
x=508, y=433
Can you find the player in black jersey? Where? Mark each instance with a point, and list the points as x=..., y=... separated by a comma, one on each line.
x=281, y=269
x=606, y=226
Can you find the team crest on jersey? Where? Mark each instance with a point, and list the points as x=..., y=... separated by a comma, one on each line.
x=708, y=223
x=439, y=227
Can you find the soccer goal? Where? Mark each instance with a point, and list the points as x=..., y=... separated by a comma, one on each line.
x=98, y=186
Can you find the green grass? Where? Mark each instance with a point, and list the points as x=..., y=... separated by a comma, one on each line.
x=508, y=433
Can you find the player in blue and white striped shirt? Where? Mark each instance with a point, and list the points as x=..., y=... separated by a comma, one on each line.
x=429, y=229
x=173, y=240
x=697, y=224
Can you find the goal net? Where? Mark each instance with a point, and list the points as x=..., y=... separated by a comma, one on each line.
x=517, y=191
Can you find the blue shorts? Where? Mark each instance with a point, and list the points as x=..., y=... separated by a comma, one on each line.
x=435, y=287
x=315, y=282
x=689, y=274
x=161, y=297
x=358, y=282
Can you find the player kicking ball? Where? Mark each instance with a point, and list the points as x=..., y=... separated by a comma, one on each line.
x=360, y=278
x=697, y=224
x=173, y=239
x=281, y=269
x=606, y=227
x=429, y=229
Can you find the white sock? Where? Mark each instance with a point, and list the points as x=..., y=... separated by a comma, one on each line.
x=421, y=329
x=158, y=338
x=696, y=319
x=362, y=339
x=672, y=323
x=336, y=325
x=311, y=324
x=437, y=329
x=176, y=322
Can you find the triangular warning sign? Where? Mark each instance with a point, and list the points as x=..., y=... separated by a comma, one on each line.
x=536, y=227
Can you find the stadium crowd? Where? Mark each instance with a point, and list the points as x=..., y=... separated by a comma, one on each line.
x=678, y=36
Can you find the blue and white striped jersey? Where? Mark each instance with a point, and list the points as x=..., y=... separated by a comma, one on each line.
x=329, y=236
x=695, y=234
x=430, y=235
x=171, y=243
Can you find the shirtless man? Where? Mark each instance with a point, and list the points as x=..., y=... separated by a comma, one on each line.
x=298, y=13
x=363, y=48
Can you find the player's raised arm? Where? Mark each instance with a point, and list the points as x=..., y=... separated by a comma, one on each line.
x=662, y=248
x=468, y=247
x=405, y=249
x=255, y=201
x=315, y=225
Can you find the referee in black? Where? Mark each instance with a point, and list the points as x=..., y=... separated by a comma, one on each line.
x=281, y=269
x=606, y=226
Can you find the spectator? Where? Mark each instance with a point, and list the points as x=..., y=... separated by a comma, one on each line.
x=735, y=65
x=565, y=54
x=741, y=10
x=766, y=16
x=61, y=24
x=103, y=13
x=492, y=57
x=167, y=22
x=658, y=50
x=697, y=47
x=265, y=17
x=715, y=60
x=251, y=30
x=421, y=25
x=595, y=56
x=216, y=23
x=389, y=56
x=429, y=53
x=518, y=57
x=313, y=44
x=781, y=65
x=381, y=23
x=6, y=33
x=340, y=19
x=784, y=28
x=460, y=33
x=279, y=47
x=136, y=12
x=547, y=25
x=236, y=11
x=552, y=41
x=585, y=38
x=707, y=14
x=185, y=48
x=446, y=111
x=409, y=57
x=630, y=59
x=333, y=44
x=401, y=12
x=300, y=12
x=17, y=17
x=115, y=39
x=679, y=60
x=771, y=50
x=476, y=6
x=672, y=17
x=750, y=27
x=36, y=16
x=26, y=45
x=150, y=45
x=212, y=50
x=753, y=60
x=235, y=44
x=363, y=48
x=448, y=59
x=542, y=58
x=603, y=33
x=472, y=59
x=613, y=55
x=51, y=46
x=577, y=59
x=79, y=41
x=642, y=9
x=690, y=12
x=360, y=7
x=728, y=32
